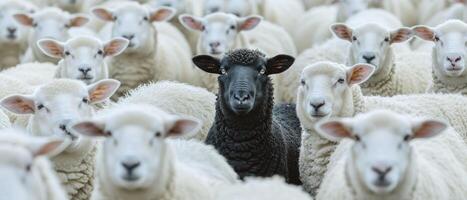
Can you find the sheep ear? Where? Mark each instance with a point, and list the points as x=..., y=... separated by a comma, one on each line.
x=279, y=64
x=183, y=127
x=24, y=19
x=115, y=46
x=46, y=147
x=191, y=22
x=208, y=64
x=401, y=35
x=342, y=31
x=103, y=14
x=334, y=130
x=162, y=14
x=424, y=32
x=19, y=104
x=359, y=73
x=51, y=47
x=428, y=128
x=248, y=23
x=89, y=128
x=78, y=20
x=102, y=90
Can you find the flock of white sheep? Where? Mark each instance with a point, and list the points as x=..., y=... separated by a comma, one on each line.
x=103, y=100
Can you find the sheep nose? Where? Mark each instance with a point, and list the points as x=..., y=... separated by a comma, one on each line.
x=214, y=44
x=63, y=125
x=381, y=170
x=11, y=30
x=453, y=59
x=129, y=36
x=242, y=97
x=130, y=165
x=85, y=71
x=369, y=57
x=317, y=105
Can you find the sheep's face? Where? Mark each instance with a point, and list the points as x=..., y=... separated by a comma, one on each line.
x=450, y=48
x=324, y=87
x=20, y=178
x=352, y=7
x=83, y=57
x=57, y=104
x=381, y=155
x=370, y=42
x=10, y=30
x=135, y=152
x=243, y=84
x=219, y=30
x=213, y=6
x=135, y=23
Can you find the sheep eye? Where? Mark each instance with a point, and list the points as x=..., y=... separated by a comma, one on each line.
x=302, y=82
x=115, y=18
x=407, y=138
x=354, y=38
x=34, y=25
x=386, y=39
x=109, y=133
x=145, y=18
x=67, y=26
x=232, y=27
x=262, y=71
x=100, y=52
x=67, y=53
x=85, y=100
x=357, y=138
x=158, y=134
x=40, y=106
x=28, y=167
x=341, y=81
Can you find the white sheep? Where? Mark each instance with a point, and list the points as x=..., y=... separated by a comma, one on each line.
x=13, y=36
x=373, y=35
x=152, y=55
x=385, y=155
x=47, y=23
x=313, y=28
x=83, y=58
x=222, y=32
x=26, y=173
x=429, y=8
x=331, y=90
x=33, y=73
x=72, y=6
x=449, y=55
x=138, y=161
x=455, y=11
x=51, y=109
x=177, y=99
x=255, y=188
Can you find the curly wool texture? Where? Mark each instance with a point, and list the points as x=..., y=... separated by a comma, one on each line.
x=436, y=171
x=273, y=188
x=332, y=50
x=450, y=108
x=177, y=98
x=10, y=86
x=264, y=142
x=76, y=173
x=34, y=73
x=439, y=86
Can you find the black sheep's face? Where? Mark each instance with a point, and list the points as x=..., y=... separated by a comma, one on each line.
x=243, y=87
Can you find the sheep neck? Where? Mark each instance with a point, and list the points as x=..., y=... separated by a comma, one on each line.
x=404, y=190
x=386, y=73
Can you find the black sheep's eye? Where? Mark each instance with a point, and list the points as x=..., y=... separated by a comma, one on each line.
x=407, y=138
x=436, y=38
x=34, y=25
x=386, y=39
x=145, y=18
x=354, y=38
x=115, y=18
x=40, y=106
x=357, y=138
x=100, y=52
x=302, y=82
x=85, y=100
x=341, y=81
x=158, y=134
x=232, y=27
x=109, y=133
x=28, y=167
x=67, y=53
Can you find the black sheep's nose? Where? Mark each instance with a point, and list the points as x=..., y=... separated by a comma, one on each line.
x=85, y=71
x=382, y=171
x=130, y=166
x=242, y=97
x=369, y=57
x=11, y=30
x=129, y=36
x=316, y=106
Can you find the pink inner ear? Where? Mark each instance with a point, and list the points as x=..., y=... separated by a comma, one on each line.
x=336, y=129
x=78, y=21
x=47, y=148
x=24, y=19
x=359, y=74
x=400, y=36
x=53, y=48
x=192, y=23
x=161, y=15
x=342, y=32
x=103, y=14
x=425, y=33
x=89, y=129
x=250, y=23
x=18, y=105
x=429, y=129
x=114, y=47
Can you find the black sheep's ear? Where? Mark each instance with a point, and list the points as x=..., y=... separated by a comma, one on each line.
x=208, y=64
x=279, y=64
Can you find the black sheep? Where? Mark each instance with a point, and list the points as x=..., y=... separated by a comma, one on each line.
x=256, y=139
